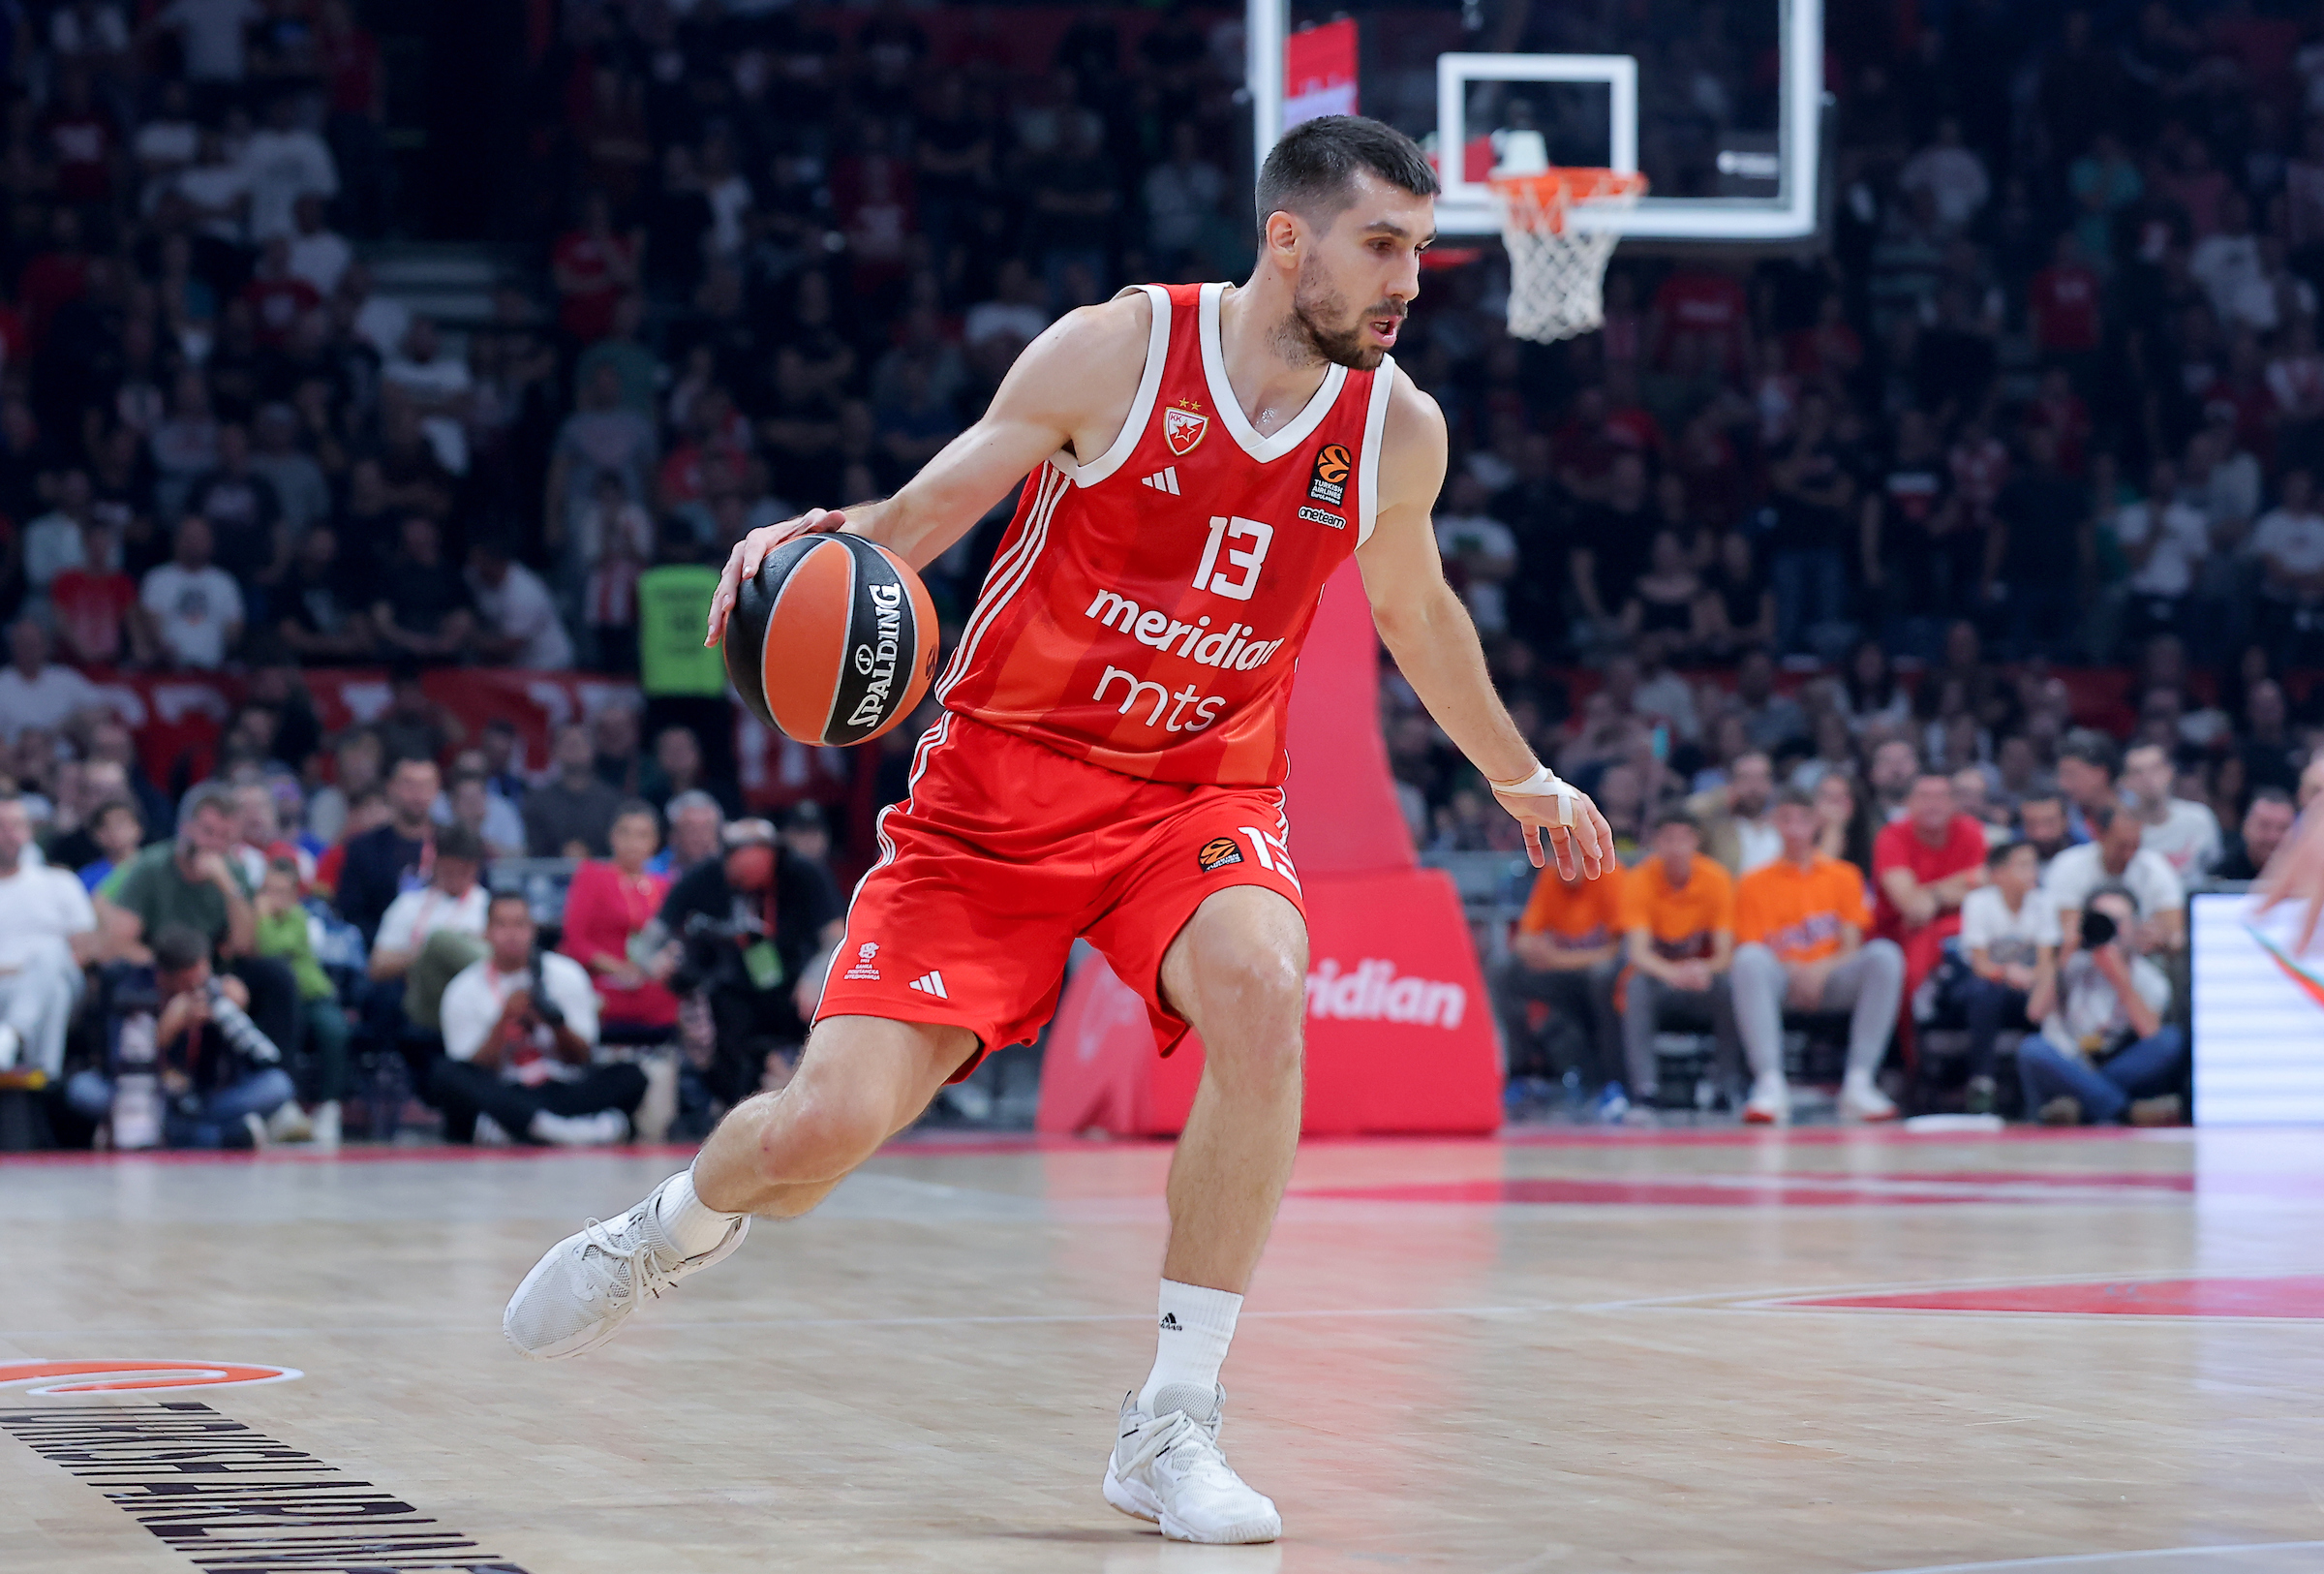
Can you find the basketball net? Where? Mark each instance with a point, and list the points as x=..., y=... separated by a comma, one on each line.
x=1557, y=272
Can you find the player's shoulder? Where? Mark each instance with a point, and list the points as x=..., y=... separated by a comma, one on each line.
x=1413, y=443
x=1118, y=327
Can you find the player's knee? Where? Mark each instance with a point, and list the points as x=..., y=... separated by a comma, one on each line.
x=1256, y=1004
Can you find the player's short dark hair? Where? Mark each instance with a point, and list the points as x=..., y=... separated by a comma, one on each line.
x=179, y=946
x=1310, y=171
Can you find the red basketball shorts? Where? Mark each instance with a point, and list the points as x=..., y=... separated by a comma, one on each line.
x=1006, y=851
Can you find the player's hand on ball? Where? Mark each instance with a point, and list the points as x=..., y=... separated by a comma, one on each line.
x=751, y=551
x=1577, y=833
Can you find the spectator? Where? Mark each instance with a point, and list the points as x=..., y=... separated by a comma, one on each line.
x=472, y=804
x=613, y=747
x=1815, y=495
x=570, y=815
x=2106, y=1053
x=520, y=1038
x=222, y=1076
x=2116, y=858
x=196, y=607
x=1953, y=177
x=2185, y=833
x=245, y=517
x=2165, y=541
x=119, y=831
x=451, y=903
x=283, y=936
x=34, y=692
x=1678, y=914
x=1566, y=955
x=2289, y=543
x=1845, y=827
x=2087, y=764
x=1738, y=829
x=388, y=860
x=1799, y=927
x=191, y=882
x=676, y=770
x=2009, y=929
x=1770, y=720
x=2038, y=552
x=1479, y=552
x=1662, y=613
x=697, y=825
x=1738, y=607
x=609, y=904
x=2266, y=823
x=1924, y=866
x=517, y=624
x=322, y=617
x=47, y=935
x=1895, y=766
x=318, y=255
x=95, y=605
x=2048, y=830
x=422, y=610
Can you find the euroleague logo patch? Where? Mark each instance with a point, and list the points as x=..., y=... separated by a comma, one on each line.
x=1328, y=481
x=1219, y=852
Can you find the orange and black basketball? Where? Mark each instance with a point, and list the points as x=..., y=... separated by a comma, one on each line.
x=833, y=641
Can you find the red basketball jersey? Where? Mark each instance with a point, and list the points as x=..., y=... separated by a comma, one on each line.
x=1146, y=610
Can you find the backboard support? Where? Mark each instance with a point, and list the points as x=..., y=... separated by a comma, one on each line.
x=1785, y=154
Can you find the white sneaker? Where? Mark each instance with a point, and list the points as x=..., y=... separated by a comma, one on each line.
x=606, y=1125
x=1863, y=1101
x=488, y=1133
x=1167, y=1469
x=1769, y=1104
x=578, y=1296
x=327, y=1123
x=290, y=1123
x=255, y=1124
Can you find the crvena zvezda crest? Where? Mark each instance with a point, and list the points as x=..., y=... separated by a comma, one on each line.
x=1183, y=429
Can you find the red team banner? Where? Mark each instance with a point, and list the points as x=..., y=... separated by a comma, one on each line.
x=1399, y=1027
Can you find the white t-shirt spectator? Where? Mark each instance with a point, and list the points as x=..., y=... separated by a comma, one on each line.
x=2230, y=269
x=215, y=189
x=2090, y=1017
x=194, y=609
x=472, y=1002
x=382, y=324
x=2182, y=537
x=521, y=609
x=994, y=319
x=412, y=917
x=41, y=907
x=2077, y=872
x=1953, y=177
x=45, y=701
x=283, y=167
x=51, y=546
x=2293, y=542
x=2188, y=838
x=2008, y=938
x=439, y=377
x=211, y=34
x=1483, y=539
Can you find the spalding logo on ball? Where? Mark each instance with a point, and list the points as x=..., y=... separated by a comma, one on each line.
x=834, y=640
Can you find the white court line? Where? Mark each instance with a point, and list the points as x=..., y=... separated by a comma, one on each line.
x=2086, y=1559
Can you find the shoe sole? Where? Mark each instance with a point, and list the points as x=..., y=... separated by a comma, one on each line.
x=1138, y=1504
x=1763, y=1117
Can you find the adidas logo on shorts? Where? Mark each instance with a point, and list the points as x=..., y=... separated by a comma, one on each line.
x=931, y=982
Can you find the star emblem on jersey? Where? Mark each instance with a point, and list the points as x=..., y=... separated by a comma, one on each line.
x=1183, y=429
x=1328, y=482
x=1165, y=480
x=1217, y=853
x=931, y=982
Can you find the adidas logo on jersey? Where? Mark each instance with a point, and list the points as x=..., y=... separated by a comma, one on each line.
x=1165, y=480
x=932, y=983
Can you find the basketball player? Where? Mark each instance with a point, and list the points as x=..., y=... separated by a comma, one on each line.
x=1108, y=763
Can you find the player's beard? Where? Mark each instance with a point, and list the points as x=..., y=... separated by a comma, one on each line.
x=1315, y=305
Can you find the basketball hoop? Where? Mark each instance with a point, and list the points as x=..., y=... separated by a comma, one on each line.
x=1555, y=272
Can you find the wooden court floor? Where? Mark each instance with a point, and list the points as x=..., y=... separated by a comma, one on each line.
x=1693, y=1352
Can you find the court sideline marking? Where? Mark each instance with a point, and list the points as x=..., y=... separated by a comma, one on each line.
x=2086, y=1559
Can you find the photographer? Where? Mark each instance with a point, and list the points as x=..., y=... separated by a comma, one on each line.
x=520, y=1038
x=2104, y=1054
x=220, y=1078
x=743, y=929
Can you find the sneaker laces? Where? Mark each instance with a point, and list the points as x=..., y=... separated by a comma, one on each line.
x=646, y=1276
x=1193, y=1447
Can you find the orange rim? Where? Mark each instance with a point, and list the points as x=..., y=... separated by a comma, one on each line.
x=1539, y=202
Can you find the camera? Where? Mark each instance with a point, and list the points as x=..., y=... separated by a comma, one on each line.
x=2097, y=929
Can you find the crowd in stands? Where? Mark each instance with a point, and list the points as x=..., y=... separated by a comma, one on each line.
x=1853, y=526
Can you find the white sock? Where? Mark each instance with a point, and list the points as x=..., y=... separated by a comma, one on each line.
x=1190, y=1344
x=690, y=1226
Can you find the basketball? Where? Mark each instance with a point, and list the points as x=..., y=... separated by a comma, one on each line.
x=833, y=641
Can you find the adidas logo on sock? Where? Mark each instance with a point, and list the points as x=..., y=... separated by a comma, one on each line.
x=1170, y=1322
x=932, y=983
x=1165, y=480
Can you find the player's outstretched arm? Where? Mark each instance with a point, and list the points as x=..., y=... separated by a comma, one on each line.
x=2296, y=874
x=1072, y=388
x=1428, y=631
